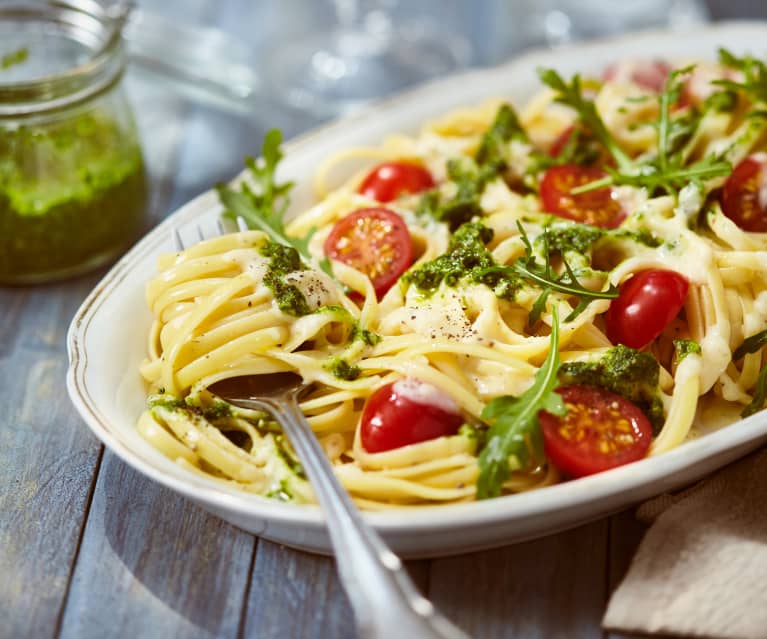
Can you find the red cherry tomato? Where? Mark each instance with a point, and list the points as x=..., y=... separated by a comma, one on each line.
x=648, y=74
x=645, y=305
x=561, y=142
x=601, y=430
x=407, y=412
x=389, y=180
x=593, y=207
x=744, y=195
x=374, y=241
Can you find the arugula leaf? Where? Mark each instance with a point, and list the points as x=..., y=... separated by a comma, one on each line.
x=666, y=171
x=754, y=71
x=572, y=96
x=581, y=148
x=543, y=276
x=514, y=428
x=264, y=207
x=760, y=394
x=671, y=180
x=752, y=344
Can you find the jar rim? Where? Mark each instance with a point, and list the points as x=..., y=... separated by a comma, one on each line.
x=84, y=79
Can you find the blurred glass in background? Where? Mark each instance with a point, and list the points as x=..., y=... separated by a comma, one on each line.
x=327, y=57
x=209, y=77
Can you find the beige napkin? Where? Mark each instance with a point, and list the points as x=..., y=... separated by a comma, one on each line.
x=701, y=569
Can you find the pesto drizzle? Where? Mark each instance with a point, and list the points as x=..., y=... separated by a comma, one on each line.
x=466, y=257
x=283, y=260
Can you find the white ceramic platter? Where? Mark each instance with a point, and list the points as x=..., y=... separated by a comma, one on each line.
x=107, y=338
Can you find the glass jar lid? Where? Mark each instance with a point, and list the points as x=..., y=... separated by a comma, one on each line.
x=58, y=53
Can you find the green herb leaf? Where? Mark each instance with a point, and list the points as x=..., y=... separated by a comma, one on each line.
x=572, y=96
x=514, y=428
x=684, y=347
x=264, y=206
x=760, y=391
x=544, y=276
x=752, y=344
x=754, y=71
x=666, y=171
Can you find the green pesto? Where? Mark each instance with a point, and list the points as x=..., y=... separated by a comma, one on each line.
x=565, y=237
x=683, y=347
x=283, y=260
x=475, y=433
x=570, y=237
x=70, y=191
x=283, y=493
x=470, y=179
x=369, y=338
x=217, y=410
x=288, y=457
x=342, y=369
x=628, y=372
x=466, y=257
x=471, y=175
x=493, y=147
x=165, y=401
x=14, y=57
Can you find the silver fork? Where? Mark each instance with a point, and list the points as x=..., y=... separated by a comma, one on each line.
x=385, y=601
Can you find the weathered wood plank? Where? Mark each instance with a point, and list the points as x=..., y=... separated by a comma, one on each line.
x=153, y=564
x=295, y=595
x=12, y=302
x=546, y=588
x=47, y=461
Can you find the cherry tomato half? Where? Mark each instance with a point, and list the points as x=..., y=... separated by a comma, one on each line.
x=389, y=180
x=648, y=74
x=645, y=305
x=407, y=412
x=601, y=430
x=593, y=207
x=744, y=195
x=375, y=241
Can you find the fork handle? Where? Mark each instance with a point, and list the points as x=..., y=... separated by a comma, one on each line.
x=384, y=599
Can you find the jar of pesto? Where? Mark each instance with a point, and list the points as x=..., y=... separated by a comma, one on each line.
x=73, y=190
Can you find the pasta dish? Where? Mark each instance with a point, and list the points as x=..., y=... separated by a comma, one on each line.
x=507, y=299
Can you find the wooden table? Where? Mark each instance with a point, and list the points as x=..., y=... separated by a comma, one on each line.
x=89, y=548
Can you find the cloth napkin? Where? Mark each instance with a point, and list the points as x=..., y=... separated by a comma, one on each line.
x=701, y=569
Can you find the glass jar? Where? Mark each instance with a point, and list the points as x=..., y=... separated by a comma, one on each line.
x=73, y=190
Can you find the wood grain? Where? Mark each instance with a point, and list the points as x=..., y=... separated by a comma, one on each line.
x=152, y=564
x=546, y=588
x=47, y=459
x=295, y=595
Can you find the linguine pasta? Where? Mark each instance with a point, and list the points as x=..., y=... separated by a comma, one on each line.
x=216, y=315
